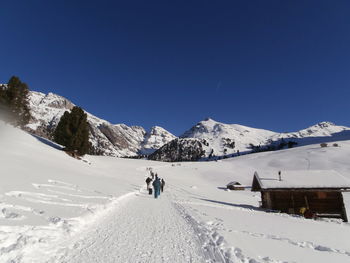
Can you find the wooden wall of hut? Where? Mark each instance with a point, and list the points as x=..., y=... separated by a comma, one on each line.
x=291, y=201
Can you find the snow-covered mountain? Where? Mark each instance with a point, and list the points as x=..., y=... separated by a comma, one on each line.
x=320, y=132
x=208, y=137
x=155, y=139
x=220, y=139
x=106, y=139
x=225, y=139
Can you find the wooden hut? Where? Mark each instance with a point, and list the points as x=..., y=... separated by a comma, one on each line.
x=310, y=193
x=235, y=186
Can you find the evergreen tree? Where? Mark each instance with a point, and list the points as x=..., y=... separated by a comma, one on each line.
x=73, y=131
x=14, y=98
x=3, y=104
x=62, y=133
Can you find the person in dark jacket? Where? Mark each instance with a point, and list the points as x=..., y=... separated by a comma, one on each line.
x=156, y=186
x=162, y=183
x=148, y=181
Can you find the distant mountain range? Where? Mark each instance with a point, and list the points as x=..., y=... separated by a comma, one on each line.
x=107, y=139
x=207, y=139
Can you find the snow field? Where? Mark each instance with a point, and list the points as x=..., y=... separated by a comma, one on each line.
x=54, y=208
x=250, y=234
x=140, y=230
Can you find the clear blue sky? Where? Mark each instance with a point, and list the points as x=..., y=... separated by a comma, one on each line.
x=278, y=65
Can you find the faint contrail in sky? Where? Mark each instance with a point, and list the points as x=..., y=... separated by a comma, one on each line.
x=218, y=86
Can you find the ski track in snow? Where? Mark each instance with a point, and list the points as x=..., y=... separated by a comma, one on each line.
x=302, y=244
x=139, y=229
x=235, y=254
x=143, y=229
x=163, y=229
x=17, y=242
x=213, y=243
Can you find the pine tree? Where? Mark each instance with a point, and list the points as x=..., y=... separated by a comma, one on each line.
x=3, y=106
x=62, y=133
x=14, y=98
x=73, y=131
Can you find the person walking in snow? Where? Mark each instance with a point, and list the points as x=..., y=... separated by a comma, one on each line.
x=148, y=181
x=156, y=186
x=162, y=183
x=152, y=174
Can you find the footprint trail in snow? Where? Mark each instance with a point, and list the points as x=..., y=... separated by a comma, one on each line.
x=141, y=229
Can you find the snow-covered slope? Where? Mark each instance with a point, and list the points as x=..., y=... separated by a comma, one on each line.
x=106, y=138
x=155, y=139
x=46, y=111
x=225, y=139
x=46, y=195
x=54, y=208
x=219, y=139
x=320, y=132
x=229, y=139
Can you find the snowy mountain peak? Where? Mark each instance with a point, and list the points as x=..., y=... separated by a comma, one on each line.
x=51, y=100
x=319, y=130
x=205, y=126
x=156, y=138
x=327, y=123
x=105, y=138
x=209, y=122
x=209, y=119
x=226, y=139
x=156, y=130
x=56, y=101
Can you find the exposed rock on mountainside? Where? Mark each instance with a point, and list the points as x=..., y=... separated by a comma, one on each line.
x=226, y=140
x=209, y=139
x=106, y=139
x=46, y=112
x=155, y=139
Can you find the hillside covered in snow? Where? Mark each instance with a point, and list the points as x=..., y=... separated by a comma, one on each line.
x=219, y=140
x=54, y=208
x=207, y=140
x=106, y=138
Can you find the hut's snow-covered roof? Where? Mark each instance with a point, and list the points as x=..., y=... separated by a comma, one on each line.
x=304, y=179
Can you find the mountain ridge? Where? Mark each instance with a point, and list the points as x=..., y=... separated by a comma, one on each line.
x=220, y=140
x=118, y=140
x=213, y=138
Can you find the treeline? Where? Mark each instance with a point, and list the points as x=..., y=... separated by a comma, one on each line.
x=273, y=146
x=72, y=130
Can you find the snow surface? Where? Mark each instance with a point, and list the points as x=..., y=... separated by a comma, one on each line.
x=54, y=208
